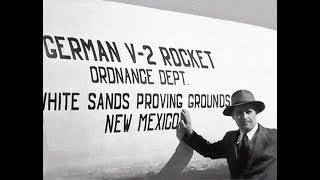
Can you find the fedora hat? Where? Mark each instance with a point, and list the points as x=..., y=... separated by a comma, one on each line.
x=242, y=97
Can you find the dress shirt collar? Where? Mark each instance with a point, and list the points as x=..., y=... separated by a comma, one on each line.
x=249, y=134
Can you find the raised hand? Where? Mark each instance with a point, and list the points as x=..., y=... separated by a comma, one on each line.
x=185, y=122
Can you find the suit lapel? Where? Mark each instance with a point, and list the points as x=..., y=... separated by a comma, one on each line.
x=234, y=144
x=258, y=142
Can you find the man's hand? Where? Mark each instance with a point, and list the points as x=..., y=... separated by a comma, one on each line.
x=185, y=122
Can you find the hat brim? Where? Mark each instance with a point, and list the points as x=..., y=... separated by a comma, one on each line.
x=258, y=105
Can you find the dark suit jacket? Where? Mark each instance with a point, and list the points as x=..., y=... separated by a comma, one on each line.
x=262, y=162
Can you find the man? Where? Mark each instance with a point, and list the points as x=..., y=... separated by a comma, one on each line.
x=251, y=151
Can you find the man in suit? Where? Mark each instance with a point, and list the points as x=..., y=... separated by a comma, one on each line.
x=251, y=151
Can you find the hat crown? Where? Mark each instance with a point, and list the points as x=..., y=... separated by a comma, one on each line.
x=241, y=96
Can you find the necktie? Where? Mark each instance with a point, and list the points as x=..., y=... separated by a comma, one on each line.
x=244, y=148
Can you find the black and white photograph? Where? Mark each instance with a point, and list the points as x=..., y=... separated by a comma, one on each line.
x=159, y=90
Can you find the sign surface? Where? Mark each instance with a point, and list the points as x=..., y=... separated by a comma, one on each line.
x=117, y=76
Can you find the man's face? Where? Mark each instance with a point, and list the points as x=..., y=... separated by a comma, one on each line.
x=245, y=117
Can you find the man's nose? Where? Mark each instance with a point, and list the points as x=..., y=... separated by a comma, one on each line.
x=244, y=115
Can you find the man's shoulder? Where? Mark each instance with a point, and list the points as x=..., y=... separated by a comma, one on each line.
x=270, y=133
x=231, y=133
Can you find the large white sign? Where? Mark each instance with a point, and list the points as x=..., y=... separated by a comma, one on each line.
x=116, y=77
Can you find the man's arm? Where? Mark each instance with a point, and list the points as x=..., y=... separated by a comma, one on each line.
x=197, y=142
x=204, y=147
